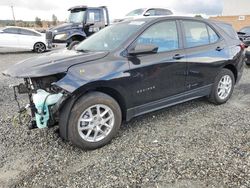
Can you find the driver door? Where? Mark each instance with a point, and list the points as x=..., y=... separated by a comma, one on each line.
x=94, y=22
x=158, y=75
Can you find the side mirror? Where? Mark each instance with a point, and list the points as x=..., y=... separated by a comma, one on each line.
x=147, y=14
x=143, y=49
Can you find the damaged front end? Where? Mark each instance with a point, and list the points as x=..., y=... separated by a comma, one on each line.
x=48, y=82
x=45, y=99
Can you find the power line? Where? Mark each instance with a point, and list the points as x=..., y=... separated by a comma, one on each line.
x=13, y=14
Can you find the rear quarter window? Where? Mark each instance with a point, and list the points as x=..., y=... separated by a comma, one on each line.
x=228, y=29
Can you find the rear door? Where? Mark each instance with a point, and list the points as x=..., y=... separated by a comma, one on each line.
x=205, y=53
x=160, y=75
x=9, y=38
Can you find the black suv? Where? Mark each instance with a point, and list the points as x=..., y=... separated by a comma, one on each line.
x=129, y=69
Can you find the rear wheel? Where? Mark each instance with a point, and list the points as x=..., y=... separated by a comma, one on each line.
x=39, y=47
x=94, y=121
x=223, y=87
x=248, y=58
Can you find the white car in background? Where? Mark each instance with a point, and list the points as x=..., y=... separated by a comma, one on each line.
x=145, y=12
x=18, y=37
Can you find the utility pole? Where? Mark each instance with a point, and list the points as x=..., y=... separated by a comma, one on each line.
x=12, y=8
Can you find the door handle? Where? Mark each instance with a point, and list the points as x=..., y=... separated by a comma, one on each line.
x=219, y=49
x=178, y=56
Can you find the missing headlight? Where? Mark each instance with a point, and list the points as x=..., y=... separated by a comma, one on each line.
x=46, y=83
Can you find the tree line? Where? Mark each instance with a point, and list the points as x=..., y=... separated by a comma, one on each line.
x=38, y=22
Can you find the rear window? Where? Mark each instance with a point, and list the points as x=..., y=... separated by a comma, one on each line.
x=11, y=30
x=160, y=12
x=228, y=29
x=245, y=30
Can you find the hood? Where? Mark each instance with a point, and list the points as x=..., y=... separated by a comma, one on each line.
x=52, y=63
x=66, y=26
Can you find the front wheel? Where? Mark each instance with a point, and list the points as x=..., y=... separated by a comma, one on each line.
x=39, y=47
x=94, y=121
x=73, y=45
x=223, y=87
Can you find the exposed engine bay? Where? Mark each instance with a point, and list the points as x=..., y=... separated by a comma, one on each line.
x=45, y=99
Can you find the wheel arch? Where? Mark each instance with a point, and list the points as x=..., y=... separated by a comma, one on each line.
x=103, y=87
x=76, y=37
x=39, y=42
x=66, y=108
x=233, y=69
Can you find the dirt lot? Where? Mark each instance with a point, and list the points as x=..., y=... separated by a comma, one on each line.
x=196, y=144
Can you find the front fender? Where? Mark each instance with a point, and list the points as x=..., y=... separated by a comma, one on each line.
x=87, y=77
x=82, y=34
x=82, y=75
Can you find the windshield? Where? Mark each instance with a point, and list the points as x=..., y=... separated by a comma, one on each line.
x=245, y=30
x=111, y=37
x=136, y=12
x=76, y=16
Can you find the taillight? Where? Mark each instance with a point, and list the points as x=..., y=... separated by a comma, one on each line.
x=243, y=46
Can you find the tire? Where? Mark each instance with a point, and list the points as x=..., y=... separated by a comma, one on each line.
x=83, y=127
x=217, y=97
x=73, y=44
x=39, y=47
x=247, y=58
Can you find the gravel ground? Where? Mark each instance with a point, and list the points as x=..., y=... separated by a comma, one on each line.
x=195, y=144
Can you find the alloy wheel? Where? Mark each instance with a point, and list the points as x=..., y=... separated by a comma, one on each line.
x=95, y=123
x=39, y=47
x=224, y=87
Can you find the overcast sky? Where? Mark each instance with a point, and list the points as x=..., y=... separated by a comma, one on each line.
x=29, y=9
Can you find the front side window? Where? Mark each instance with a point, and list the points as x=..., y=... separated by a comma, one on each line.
x=164, y=35
x=94, y=15
x=196, y=33
x=151, y=12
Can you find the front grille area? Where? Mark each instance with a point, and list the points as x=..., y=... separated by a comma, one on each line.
x=49, y=35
